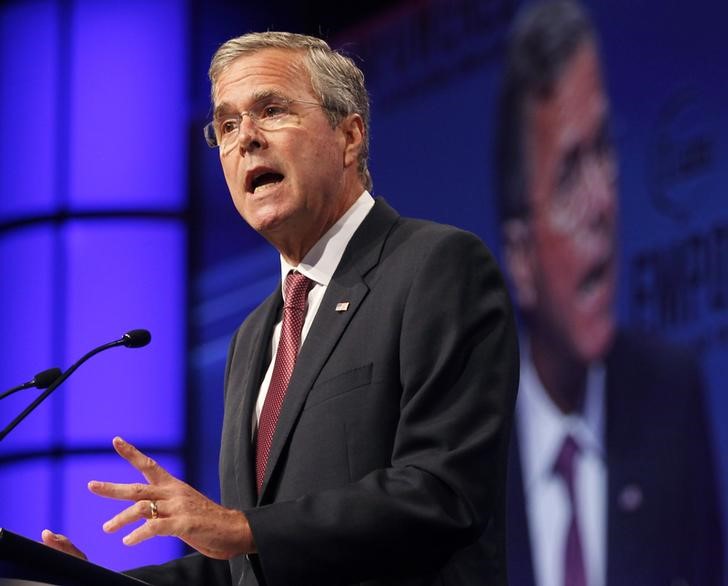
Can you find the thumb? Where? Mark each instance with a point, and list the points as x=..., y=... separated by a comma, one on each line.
x=61, y=543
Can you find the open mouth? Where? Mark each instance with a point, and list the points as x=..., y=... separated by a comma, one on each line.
x=596, y=275
x=262, y=179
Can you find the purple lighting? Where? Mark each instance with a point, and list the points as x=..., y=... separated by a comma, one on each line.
x=127, y=144
x=93, y=243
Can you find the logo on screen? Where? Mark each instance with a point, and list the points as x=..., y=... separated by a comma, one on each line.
x=681, y=157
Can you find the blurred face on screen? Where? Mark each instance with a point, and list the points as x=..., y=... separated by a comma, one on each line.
x=571, y=231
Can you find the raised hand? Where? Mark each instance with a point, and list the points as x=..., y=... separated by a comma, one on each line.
x=169, y=506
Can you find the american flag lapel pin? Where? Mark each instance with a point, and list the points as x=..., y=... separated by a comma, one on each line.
x=342, y=306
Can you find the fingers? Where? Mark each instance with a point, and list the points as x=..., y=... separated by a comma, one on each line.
x=141, y=510
x=61, y=543
x=123, y=492
x=152, y=528
x=168, y=506
x=142, y=495
x=149, y=500
x=152, y=471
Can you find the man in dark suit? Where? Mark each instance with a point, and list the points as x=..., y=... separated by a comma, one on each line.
x=612, y=476
x=376, y=454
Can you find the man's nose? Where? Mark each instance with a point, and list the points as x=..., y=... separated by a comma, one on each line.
x=599, y=176
x=250, y=137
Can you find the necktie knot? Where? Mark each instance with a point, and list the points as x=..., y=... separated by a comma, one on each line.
x=564, y=464
x=297, y=287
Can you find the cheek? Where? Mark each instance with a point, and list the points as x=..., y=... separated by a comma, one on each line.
x=234, y=184
x=229, y=171
x=559, y=263
x=318, y=157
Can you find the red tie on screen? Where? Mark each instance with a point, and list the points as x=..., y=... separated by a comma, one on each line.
x=294, y=312
x=574, y=571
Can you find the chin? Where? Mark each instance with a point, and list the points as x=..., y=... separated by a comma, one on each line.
x=264, y=218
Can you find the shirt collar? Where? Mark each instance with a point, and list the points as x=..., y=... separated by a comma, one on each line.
x=543, y=427
x=321, y=261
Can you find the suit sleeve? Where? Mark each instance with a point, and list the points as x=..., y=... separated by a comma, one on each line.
x=457, y=379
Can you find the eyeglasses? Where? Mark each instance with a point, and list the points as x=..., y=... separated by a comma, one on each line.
x=586, y=176
x=270, y=113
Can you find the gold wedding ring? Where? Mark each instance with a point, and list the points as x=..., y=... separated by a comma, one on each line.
x=153, y=508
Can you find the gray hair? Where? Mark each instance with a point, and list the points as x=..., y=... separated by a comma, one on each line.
x=335, y=78
x=544, y=39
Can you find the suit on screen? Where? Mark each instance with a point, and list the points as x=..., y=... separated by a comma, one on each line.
x=663, y=513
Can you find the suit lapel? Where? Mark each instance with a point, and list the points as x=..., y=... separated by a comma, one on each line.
x=627, y=469
x=348, y=285
x=520, y=562
x=259, y=356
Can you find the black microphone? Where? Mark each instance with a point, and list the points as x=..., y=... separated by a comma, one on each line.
x=131, y=339
x=136, y=338
x=42, y=380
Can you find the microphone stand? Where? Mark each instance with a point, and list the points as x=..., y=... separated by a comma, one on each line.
x=133, y=339
x=42, y=380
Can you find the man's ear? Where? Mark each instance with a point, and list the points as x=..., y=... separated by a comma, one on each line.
x=352, y=128
x=518, y=252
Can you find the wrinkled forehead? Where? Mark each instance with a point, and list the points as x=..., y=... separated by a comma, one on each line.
x=576, y=109
x=262, y=72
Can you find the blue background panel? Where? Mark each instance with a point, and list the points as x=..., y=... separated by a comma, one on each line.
x=124, y=275
x=92, y=243
x=127, y=145
x=27, y=340
x=28, y=117
x=24, y=503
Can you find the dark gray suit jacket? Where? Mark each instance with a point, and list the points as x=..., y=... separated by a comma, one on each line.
x=388, y=462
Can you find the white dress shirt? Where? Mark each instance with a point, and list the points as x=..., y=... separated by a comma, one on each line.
x=541, y=429
x=319, y=265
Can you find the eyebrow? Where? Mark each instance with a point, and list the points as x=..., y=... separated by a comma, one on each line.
x=226, y=108
x=222, y=109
